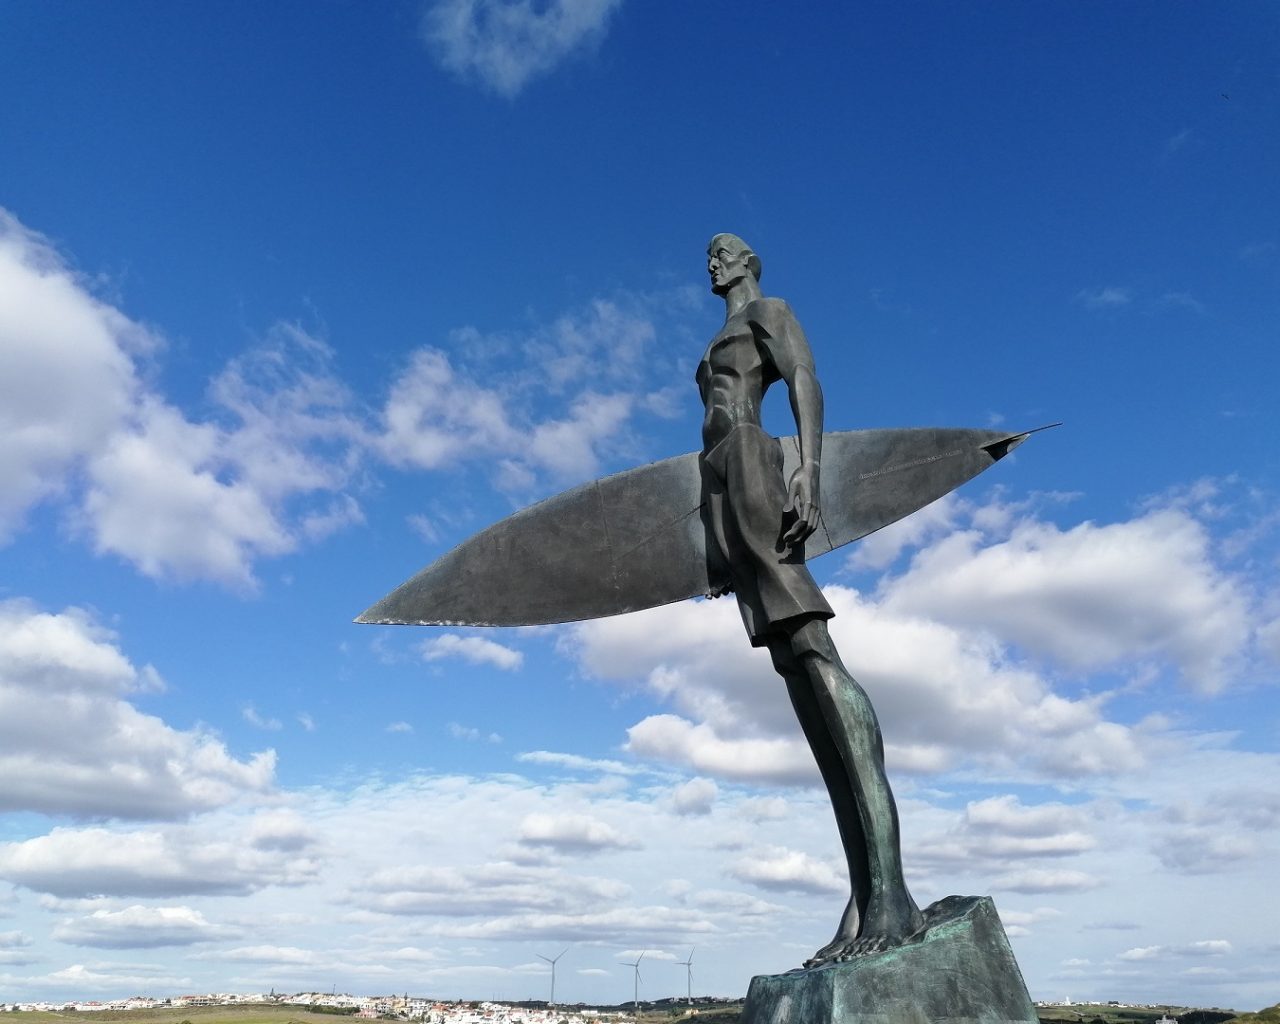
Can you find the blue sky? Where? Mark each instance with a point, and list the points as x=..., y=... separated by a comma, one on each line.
x=295, y=297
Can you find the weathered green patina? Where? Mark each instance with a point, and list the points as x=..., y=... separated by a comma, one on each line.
x=957, y=970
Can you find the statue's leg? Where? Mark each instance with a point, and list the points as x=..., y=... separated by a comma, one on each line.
x=843, y=802
x=841, y=706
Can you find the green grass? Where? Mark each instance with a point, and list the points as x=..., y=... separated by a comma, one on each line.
x=1271, y=1015
x=1077, y=1014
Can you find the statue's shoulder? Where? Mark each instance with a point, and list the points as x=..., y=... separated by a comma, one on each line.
x=770, y=313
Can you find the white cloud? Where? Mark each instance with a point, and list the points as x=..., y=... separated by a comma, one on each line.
x=696, y=658
x=694, y=797
x=202, y=500
x=1025, y=918
x=1008, y=814
x=473, y=649
x=70, y=743
x=652, y=923
x=1176, y=142
x=424, y=528
x=472, y=734
x=571, y=832
x=342, y=511
x=250, y=714
x=1000, y=832
x=1241, y=806
x=882, y=548
x=1269, y=639
x=484, y=890
x=945, y=696
x=109, y=977
x=1141, y=953
x=678, y=741
x=1043, y=880
x=567, y=448
x=461, y=893
x=159, y=863
x=16, y=949
x=139, y=927
x=67, y=376
x=176, y=498
x=779, y=869
x=284, y=831
x=607, y=340
x=290, y=955
x=765, y=808
x=1207, y=947
x=506, y=43
x=1182, y=300
x=1206, y=850
x=1091, y=596
x=267, y=467
x=156, y=499
x=435, y=416
x=576, y=762
x=69, y=652
x=1110, y=297
x=14, y=940
x=487, y=400
x=741, y=904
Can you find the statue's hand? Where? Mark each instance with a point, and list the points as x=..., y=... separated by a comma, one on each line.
x=802, y=496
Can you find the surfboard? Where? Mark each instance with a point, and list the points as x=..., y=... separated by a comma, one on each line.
x=637, y=540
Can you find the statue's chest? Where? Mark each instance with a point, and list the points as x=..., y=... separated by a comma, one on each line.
x=733, y=351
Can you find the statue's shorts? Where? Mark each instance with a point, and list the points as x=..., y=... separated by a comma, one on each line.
x=745, y=495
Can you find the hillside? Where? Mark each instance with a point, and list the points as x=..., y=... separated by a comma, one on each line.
x=1270, y=1015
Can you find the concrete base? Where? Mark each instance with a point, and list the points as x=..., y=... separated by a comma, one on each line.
x=958, y=969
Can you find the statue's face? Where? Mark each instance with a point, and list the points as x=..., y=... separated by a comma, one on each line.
x=726, y=268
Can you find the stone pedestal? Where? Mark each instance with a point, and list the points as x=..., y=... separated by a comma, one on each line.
x=957, y=970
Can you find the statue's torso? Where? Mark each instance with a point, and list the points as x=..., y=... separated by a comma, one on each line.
x=732, y=378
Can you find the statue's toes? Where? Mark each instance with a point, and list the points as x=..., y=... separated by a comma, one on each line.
x=864, y=946
x=824, y=956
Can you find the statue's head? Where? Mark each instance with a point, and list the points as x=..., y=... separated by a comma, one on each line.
x=729, y=259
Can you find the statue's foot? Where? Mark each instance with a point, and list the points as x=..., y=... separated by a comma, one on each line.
x=845, y=934
x=888, y=923
x=829, y=953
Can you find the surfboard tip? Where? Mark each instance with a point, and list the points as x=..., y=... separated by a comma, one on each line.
x=999, y=449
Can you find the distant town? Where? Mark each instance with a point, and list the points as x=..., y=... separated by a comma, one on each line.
x=402, y=1007
x=436, y=1011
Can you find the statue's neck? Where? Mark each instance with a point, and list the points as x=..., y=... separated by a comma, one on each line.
x=736, y=298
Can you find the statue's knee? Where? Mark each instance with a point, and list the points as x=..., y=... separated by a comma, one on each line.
x=785, y=663
x=811, y=638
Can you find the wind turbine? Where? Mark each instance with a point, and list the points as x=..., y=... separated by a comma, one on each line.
x=635, y=1001
x=688, y=966
x=552, y=962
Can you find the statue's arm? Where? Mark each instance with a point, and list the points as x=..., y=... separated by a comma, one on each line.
x=789, y=350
